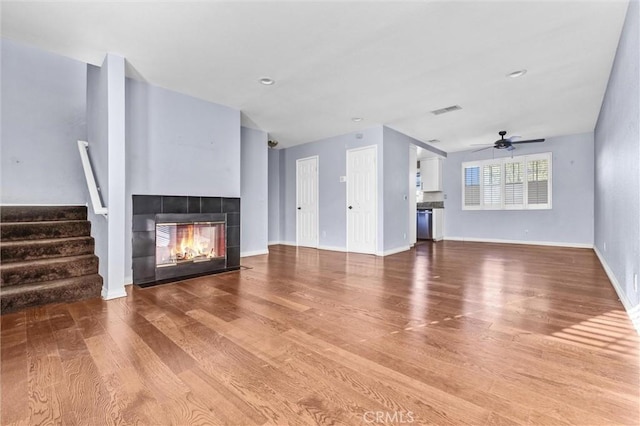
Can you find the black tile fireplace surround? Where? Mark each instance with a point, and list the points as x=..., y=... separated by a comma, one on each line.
x=147, y=209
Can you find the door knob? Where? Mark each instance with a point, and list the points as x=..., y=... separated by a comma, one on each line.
x=299, y=208
x=350, y=207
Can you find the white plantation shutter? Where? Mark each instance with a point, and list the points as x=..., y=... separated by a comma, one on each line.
x=471, y=186
x=519, y=182
x=539, y=181
x=513, y=184
x=492, y=185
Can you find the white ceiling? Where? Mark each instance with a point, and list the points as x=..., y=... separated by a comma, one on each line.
x=389, y=62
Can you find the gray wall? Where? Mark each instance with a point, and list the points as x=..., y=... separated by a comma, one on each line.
x=617, y=160
x=254, y=192
x=332, y=163
x=396, y=188
x=570, y=221
x=274, y=196
x=43, y=115
x=178, y=145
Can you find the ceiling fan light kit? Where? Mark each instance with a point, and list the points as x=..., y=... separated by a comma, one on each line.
x=507, y=143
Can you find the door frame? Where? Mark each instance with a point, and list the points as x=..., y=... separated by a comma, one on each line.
x=377, y=201
x=317, y=239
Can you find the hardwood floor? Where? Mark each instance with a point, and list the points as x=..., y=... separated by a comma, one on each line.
x=447, y=333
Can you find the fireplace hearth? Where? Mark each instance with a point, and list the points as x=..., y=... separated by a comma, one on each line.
x=177, y=237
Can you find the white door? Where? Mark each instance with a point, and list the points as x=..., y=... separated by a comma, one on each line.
x=362, y=200
x=307, y=202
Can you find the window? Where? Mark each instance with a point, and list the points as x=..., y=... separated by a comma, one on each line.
x=492, y=182
x=471, y=186
x=522, y=182
x=513, y=184
x=538, y=183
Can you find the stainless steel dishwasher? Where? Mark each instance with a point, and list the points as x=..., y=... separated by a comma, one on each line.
x=425, y=224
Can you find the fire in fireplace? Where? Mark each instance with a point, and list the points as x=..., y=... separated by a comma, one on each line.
x=178, y=243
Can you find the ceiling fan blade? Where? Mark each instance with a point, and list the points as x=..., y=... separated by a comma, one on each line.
x=479, y=144
x=482, y=149
x=528, y=141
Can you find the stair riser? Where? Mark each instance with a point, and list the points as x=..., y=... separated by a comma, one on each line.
x=33, y=250
x=40, y=213
x=36, y=231
x=87, y=289
x=55, y=271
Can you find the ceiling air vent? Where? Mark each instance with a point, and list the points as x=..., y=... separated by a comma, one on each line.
x=447, y=109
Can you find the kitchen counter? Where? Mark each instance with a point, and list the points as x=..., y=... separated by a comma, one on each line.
x=430, y=205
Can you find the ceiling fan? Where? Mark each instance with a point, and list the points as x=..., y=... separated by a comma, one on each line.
x=508, y=143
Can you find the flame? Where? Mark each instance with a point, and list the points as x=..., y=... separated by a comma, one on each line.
x=193, y=245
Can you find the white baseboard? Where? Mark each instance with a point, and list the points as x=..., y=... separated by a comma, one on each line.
x=632, y=311
x=288, y=243
x=533, y=243
x=393, y=251
x=113, y=294
x=254, y=253
x=333, y=248
x=344, y=249
x=128, y=280
x=281, y=243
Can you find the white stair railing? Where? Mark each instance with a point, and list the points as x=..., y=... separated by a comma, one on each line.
x=98, y=208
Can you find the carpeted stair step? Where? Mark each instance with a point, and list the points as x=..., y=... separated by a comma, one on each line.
x=44, y=230
x=19, y=251
x=65, y=290
x=42, y=213
x=34, y=271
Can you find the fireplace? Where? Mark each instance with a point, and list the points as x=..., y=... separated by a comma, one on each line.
x=180, y=237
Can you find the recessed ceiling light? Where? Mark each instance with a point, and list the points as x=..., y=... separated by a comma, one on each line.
x=356, y=119
x=517, y=74
x=267, y=81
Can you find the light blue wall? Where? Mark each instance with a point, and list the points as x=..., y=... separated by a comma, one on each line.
x=570, y=221
x=44, y=99
x=393, y=188
x=617, y=163
x=332, y=164
x=181, y=145
x=178, y=145
x=254, y=192
x=274, y=196
x=396, y=188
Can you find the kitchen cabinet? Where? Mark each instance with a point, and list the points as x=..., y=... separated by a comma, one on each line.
x=437, y=219
x=431, y=174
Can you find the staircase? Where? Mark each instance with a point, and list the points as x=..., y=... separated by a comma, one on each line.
x=47, y=256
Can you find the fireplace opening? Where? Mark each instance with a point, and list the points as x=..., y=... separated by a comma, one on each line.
x=180, y=237
x=192, y=242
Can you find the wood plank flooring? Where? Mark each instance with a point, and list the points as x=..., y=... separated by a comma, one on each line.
x=448, y=334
